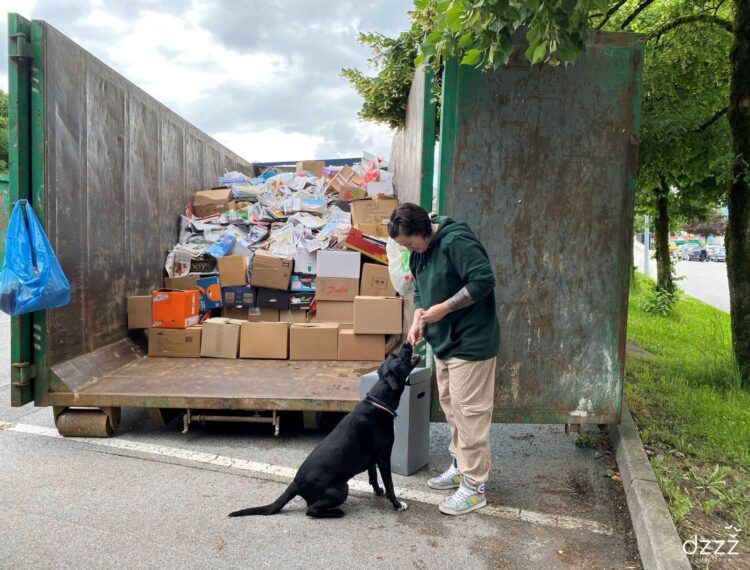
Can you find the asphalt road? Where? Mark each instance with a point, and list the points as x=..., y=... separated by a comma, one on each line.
x=706, y=281
x=154, y=497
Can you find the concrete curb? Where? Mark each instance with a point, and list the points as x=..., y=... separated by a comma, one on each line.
x=658, y=543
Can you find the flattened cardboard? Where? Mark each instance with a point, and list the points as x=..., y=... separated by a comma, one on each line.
x=336, y=289
x=175, y=343
x=221, y=338
x=139, y=312
x=270, y=272
x=360, y=346
x=339, y=263
x=378, y=315
x=376, y=281
x=264, y=340
x=313, y=341
x=314, y=166
x=232, y=270
x=334, y=312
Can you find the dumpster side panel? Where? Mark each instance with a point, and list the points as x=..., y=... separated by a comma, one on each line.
x=540, y=162
x=119, y=170
x=412, y=150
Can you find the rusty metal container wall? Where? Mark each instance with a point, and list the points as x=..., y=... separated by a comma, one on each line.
x=119, y=169
x=541, y=163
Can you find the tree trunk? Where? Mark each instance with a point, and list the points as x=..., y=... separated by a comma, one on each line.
x=738, y=228
x=661, y=227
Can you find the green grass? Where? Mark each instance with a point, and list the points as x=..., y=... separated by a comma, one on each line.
x=693, y=416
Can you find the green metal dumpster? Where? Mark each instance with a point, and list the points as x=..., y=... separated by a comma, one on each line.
x=108, y=170
x=541, y=163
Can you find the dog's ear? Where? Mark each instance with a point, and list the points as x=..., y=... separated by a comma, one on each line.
x=391, y=379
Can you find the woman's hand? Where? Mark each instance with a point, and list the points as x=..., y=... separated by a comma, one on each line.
x=414, y=337
x=436, y=313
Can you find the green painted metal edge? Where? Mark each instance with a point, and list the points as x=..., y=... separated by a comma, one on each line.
x=448, y=118
x=428, y=143
x=38, y=199
x=4, y=212
x=19, y=166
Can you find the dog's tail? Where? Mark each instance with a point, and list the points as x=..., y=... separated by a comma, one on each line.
x=271, y=509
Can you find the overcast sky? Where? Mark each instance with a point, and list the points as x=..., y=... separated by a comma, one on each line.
x=261, y=76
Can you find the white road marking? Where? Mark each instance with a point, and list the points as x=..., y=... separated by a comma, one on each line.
x=532, y=517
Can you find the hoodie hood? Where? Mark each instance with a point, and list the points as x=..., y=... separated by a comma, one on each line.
x=447, y=228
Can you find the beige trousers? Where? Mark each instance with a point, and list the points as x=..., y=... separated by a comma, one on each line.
x=467, y=391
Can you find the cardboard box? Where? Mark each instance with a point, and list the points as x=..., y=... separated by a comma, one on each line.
x=232, y=270
x=273, y=299
x=139, y=312
x=314, y=166
x=184, y=283
x=376, y=281
x=306, y=262
x=300, y=300
x=314, y=341
x=378, y=315
x=210, y=293
x=270, y=271
x=239, y=296
x=347, y=184
x=258, y=315
x=209, y=202
x=185, y=343
x=174, y=309
x=264, y=340
x=221, y=338
x=335, y=312
x=373, y=211
x=336, y=289
x=303, y=283
x=339, y=263
x=374, y=230
x=372, y=247
x=237, y=314
x=360, y=346
x=293, y=316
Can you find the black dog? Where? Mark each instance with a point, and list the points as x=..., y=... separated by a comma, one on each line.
x=361, y=441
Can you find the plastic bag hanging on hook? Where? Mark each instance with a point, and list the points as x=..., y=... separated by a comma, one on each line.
x=31, y=278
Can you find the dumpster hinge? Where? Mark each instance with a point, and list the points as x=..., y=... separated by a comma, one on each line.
x=26, y=373
x=19, y=47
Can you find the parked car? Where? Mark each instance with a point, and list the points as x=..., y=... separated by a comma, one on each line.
x=691, y=252
x=717, y=253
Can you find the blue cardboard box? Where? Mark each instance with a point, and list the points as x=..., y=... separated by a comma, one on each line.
x=210, y=293
x=239, y=296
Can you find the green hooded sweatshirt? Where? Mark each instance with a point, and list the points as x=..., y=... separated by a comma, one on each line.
x=455, y=259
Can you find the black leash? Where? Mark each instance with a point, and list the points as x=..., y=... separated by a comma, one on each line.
x=378, y=404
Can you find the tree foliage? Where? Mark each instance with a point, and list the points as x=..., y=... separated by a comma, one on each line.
x=715, y=225
x=385, y=95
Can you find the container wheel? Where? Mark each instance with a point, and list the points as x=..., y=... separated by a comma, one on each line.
x=87, y=422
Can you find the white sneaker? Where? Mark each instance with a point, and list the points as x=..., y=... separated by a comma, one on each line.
x=449, y=479
x=467, y=498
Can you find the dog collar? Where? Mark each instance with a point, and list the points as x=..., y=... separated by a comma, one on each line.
x=378, y=404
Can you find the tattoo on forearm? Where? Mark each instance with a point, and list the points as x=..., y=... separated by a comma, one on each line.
x=460, y=300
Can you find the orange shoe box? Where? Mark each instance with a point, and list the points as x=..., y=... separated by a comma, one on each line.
x=174, y=309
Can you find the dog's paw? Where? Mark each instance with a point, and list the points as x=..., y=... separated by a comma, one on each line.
x=403, y=506
x=379, y=491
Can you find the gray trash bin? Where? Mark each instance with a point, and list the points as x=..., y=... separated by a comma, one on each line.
x=411, y=446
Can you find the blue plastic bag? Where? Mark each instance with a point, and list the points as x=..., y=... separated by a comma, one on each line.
x=31, y=278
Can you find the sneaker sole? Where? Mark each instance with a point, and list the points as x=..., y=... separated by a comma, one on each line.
x=443, y=487
x=447, y=511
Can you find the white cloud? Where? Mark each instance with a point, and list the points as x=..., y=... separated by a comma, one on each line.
x=270, y=144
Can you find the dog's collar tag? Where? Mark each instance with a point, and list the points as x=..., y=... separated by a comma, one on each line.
x=378, y=404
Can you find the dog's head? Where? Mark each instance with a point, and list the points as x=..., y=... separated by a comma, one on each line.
x=396, y=368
